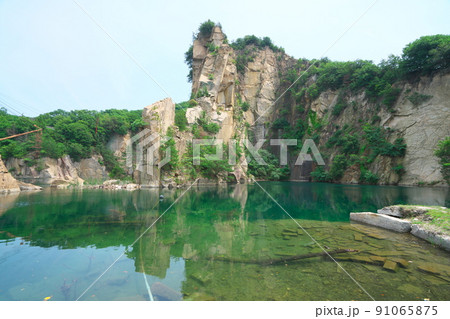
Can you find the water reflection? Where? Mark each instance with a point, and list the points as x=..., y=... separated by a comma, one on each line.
x=83, y=232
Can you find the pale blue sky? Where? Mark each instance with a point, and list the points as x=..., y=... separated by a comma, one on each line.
x=53, y=56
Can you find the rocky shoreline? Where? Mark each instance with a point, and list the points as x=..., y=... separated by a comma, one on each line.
x=426, y=222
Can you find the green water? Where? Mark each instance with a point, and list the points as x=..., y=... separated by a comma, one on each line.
x=56, y=243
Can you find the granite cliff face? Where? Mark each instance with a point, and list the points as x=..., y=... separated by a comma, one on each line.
x=8, y=184
x=227, y=87
x=159, y=116
x=224, y=87
x=57, y=171
x=422, y=127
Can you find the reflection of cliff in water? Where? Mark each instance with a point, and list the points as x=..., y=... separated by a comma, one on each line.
x=234, y=222
x=104, y=218
x=194, y=228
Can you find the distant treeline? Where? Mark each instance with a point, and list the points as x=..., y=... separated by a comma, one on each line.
x=79, y=134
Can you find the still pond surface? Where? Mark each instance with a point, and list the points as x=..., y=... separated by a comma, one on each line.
x=213, y=244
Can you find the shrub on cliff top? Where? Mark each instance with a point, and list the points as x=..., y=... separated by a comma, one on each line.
x=206, y=27
x=241, y=43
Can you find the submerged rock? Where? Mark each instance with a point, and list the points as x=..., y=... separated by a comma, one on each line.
x=378, y=259
x=202, y=278
x=402, y=262
x=162, y=292
x=390, y=265
x=434, y=269
x=388, y=253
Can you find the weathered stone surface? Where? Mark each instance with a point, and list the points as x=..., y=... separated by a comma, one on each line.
x=131, y=186
x=52, y=169
x=160, y=115
x=118, y=144
x=402, y=262
x=440, y=240
x=434, y=269
x=199, y=50
x=8, y=184
x=378, y=259
x=61, y=168
x=193, y=113
x=403, y=211
x=394, y=211
x=390, y=265
x=388, y=253
x=423, y=127
x=111, y=182
x=382, y=221
x=91, y=169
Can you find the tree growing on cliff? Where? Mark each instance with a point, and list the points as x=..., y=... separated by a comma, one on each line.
x=443, y=152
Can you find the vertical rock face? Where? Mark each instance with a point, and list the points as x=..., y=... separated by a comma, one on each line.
x=257, y=85
x=215, y=73
x=90, y=169
x=50, y=169
x=8, y=184
x=224, y=89
x=259, y=82
x=159, y=116
x=118, y=144
x=423, y=127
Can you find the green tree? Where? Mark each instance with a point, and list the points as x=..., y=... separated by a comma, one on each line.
x=426, y=55
x=443, y=152
x=271, y=171
x=51, y=148
x=206, y=27
x=180, y=119
x=338, y=166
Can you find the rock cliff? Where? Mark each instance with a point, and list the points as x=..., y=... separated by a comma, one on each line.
x=159, y=116
x=250, y=89
x=243, y=90
x=8, y=184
